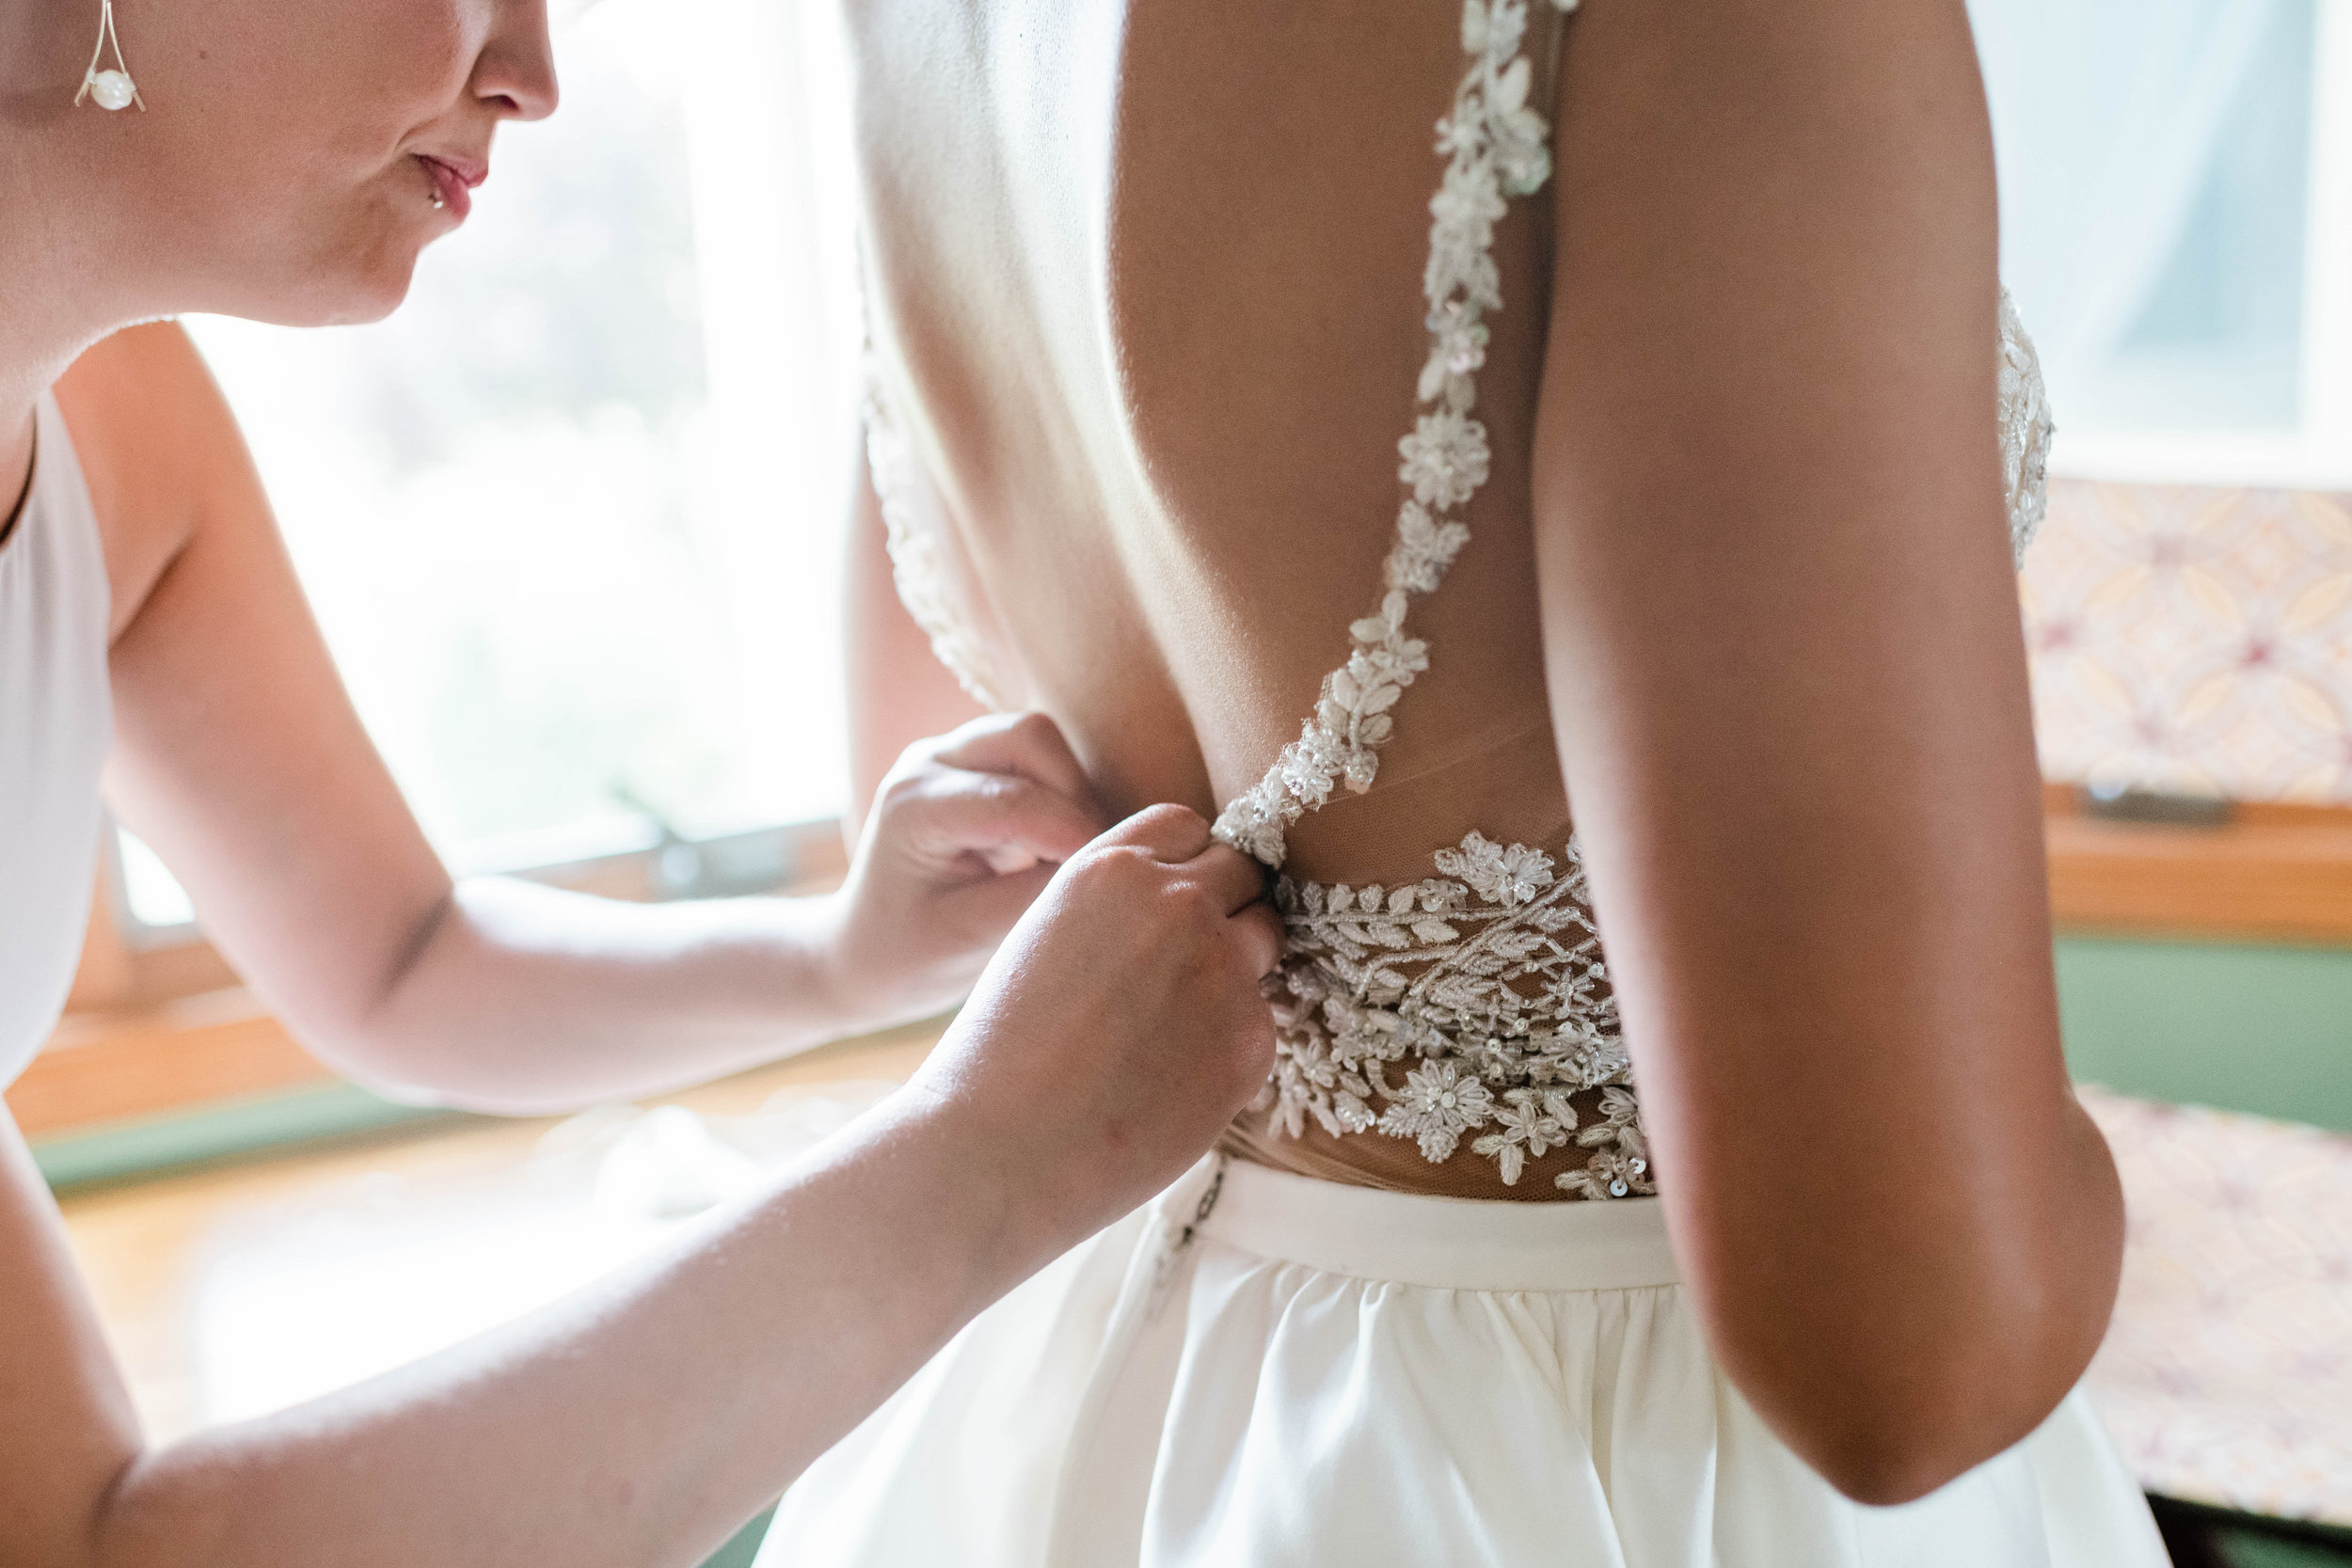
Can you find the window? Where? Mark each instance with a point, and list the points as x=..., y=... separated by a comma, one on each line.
x=2176, y=207
x=570, y=517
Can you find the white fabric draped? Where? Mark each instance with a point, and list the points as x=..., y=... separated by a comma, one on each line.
x=1331, y=1377
x=57, y=721
x=2107, y=115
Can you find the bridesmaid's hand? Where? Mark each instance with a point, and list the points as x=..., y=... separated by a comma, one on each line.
x=1116, y=1032
x=964, y=832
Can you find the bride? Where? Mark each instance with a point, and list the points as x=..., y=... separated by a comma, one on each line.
x=1717, y=436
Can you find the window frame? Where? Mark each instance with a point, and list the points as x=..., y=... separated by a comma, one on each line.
x=128, y=964
x=2317, y=453
x=801, y=127
x=170, y=1028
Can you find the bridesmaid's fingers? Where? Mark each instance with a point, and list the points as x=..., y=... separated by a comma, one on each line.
x=1030, y=744
x=1235, y=878
x=1171, y=833
x=1258, y=932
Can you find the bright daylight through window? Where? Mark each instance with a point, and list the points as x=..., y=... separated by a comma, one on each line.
x=2176, y=215
x=570, y=517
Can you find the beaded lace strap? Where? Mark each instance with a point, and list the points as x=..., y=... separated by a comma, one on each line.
x=1496, y=146
x=916, y=566
x=2025, y=431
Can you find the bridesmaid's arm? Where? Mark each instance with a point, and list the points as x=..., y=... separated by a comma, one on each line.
x=240, y=758
x=639, y=1421
x=1788, y=688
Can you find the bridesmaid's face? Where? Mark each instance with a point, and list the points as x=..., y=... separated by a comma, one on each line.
x=293, y=152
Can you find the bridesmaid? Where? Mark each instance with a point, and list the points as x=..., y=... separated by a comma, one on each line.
x=287, y=160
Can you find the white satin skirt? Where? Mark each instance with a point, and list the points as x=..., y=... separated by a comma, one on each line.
x=1318, y=1375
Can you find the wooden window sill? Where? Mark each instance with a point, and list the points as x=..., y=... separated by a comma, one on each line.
x=172, y=1030
x=101, y=1068
x=2271, y=874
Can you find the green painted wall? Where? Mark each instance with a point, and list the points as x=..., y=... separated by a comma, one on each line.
x=2244, y=1549
x=2261, y=1029
x=128, y=1151
x=739, y=1552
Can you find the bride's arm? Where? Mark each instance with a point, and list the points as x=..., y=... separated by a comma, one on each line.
x=1789, y=685
x=639, y=1421
x=239, y=757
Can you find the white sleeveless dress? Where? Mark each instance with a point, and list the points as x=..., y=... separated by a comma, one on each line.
x=1263, y=1367
x=57, y=721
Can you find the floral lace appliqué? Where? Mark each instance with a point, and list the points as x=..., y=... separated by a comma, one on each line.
x=2026, y=430
x=1463, y=1008
x=1495, y=147
x=916, y=566
x=1469, y=1006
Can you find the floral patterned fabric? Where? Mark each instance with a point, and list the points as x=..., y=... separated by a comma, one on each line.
x=2226, y=1377
x=2195, y=639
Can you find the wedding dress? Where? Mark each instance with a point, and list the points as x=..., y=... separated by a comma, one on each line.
x=57, y=721
x=1267, y=1367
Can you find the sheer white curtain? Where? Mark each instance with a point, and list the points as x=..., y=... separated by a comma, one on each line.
x=2108, y=116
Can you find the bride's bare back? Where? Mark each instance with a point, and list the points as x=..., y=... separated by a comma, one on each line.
x=1158, y=314
x=1148, y=314
x=1154, y=283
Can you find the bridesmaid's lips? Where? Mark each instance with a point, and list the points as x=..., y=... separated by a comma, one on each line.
x=454, y=181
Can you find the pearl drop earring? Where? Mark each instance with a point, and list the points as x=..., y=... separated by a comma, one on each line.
x=109, y=90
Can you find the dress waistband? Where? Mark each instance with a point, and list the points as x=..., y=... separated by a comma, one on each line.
x=1446, y=1243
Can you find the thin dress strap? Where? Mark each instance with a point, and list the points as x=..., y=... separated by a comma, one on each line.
x=1496, y=146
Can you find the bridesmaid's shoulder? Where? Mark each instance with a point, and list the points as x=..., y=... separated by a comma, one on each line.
x=158, y=448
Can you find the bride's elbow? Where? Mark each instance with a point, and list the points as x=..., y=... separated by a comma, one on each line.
x=1892, y=1369
x=1894, y=1432
x=1884, y=1464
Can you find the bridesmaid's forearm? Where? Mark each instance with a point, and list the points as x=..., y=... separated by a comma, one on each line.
x=639, y=1421
x=525, y=1000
